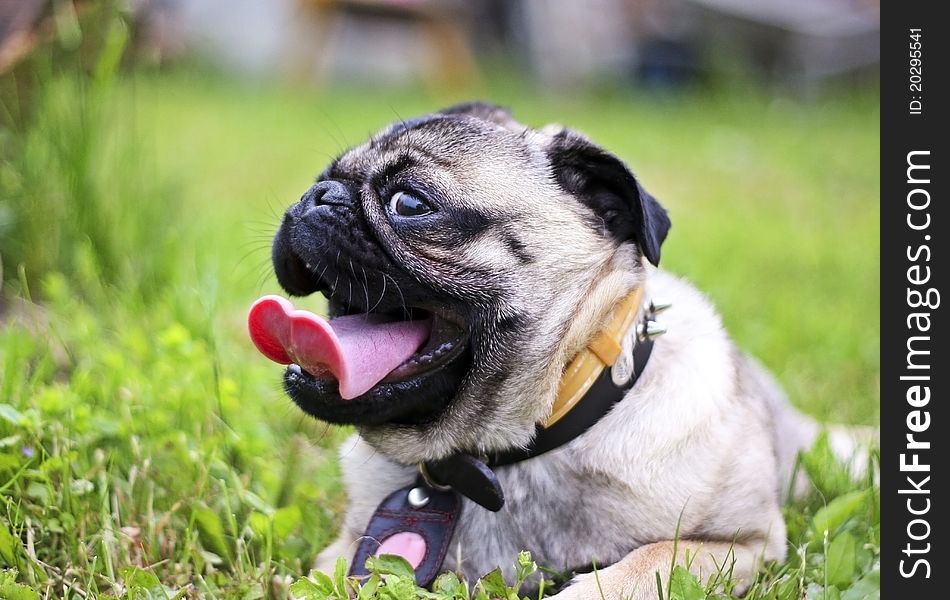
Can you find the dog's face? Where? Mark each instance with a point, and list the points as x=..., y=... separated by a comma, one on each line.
x=512, y=241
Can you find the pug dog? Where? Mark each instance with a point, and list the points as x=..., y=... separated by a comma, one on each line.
x=470, y=258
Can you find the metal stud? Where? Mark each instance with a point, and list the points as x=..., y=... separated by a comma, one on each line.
x=650, y=330
x=658, y=306
x=622, y=370
x=418, y=497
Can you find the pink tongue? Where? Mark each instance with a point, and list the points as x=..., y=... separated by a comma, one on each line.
x=358, y=350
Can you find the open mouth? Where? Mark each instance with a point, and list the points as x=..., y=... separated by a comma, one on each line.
x=393, y=362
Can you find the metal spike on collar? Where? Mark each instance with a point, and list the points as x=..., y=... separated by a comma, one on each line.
x=658, y=306
x=649, y=330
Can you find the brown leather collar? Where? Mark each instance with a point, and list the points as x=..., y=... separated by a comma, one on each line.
x=601, y=353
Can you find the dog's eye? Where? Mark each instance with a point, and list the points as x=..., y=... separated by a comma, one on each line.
x=407, y=205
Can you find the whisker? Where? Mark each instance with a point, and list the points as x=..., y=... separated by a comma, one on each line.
x=365, y=288
x=269, y=224
x=359, y=431
x=328, y=119
x=337, y=279
x=260, y=241
x=381, y=294
x=274, y=212
x=264, y=273
x=323, y=434
x=349, y=298
x=349, y=447
x=401, y=297
x=248, y=254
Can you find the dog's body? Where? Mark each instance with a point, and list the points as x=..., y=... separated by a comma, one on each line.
x=532, y=240
x=703, y=443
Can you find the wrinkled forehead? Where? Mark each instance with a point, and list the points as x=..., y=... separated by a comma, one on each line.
x=445, y=142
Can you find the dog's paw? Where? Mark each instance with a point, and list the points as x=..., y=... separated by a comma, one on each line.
x=608, y=584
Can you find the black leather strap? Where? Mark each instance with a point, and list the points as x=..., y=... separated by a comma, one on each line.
x=465, y=472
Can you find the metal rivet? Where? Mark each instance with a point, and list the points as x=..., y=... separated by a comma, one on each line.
x=650, y=330
x=418, y=497
x=622, y=370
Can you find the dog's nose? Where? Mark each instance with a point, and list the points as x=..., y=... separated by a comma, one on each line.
x=326, y=193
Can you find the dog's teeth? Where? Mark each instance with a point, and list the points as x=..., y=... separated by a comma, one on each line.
x=658, y=306
x=650, y=330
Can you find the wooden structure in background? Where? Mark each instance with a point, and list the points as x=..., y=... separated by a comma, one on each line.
x=21, y=29
x=439, y=24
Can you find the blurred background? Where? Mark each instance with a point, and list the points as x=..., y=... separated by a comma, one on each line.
x=149, y=147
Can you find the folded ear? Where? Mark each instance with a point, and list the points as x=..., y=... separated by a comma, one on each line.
x=601, y=181
x=485, y=111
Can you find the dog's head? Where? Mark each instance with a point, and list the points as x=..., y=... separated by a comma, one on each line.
x=513, y=242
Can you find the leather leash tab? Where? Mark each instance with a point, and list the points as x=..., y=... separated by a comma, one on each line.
x=420, y=534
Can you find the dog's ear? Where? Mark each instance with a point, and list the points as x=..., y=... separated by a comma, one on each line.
x=485, y=111
x=601, y=181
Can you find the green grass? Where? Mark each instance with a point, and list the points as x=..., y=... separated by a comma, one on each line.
x=146, y=448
